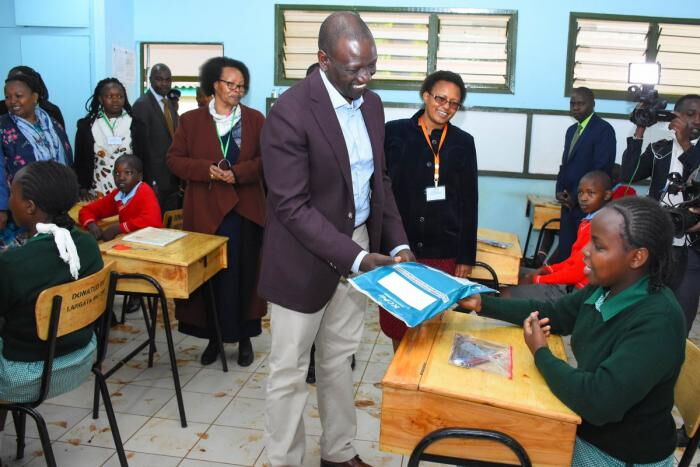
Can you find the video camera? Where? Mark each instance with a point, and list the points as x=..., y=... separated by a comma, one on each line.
x=681, y=216
x=653, y=106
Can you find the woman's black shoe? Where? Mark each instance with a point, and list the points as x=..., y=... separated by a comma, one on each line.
x=210, y=354
x=245, y=352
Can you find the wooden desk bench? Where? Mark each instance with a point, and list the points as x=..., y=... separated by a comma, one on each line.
x=506, y=262
x=173, y=271
x=423, y=392
x=102, y=223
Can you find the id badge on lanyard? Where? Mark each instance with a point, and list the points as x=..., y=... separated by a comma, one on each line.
x=437, y=192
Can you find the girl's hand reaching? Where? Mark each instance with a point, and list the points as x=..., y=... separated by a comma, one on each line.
x=472, y=303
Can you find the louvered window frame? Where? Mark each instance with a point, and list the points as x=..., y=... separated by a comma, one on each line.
x=179, y=80
x=655, y=31
x=433, y=43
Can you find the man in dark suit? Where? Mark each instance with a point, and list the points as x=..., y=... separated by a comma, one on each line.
x=322, y=152
x=589, y=145
x=157, y=111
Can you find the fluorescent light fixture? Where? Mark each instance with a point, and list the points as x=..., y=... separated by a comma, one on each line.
x=644, y=73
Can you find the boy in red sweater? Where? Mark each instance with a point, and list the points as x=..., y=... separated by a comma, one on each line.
x=133, y=200
x=619, y=189
x=548, y=282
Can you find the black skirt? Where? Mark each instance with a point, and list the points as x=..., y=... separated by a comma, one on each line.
x=234, y=286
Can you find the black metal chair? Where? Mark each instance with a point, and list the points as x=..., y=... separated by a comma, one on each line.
x=493, y=282
x=531, y=260
x=419, y=453
x=61, y=310
x=152, y=302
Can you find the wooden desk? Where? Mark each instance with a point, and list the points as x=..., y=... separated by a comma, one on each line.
x=180, y=267
x=506, y=262
x=102, y=223
x=541, y=209
x=422, y=392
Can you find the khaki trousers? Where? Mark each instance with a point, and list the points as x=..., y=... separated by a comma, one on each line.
x=336, y=329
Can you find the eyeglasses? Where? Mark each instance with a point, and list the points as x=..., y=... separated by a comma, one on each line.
x=233, y=86
x=439, y=100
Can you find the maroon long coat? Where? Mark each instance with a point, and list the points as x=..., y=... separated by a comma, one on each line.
x=195, y=148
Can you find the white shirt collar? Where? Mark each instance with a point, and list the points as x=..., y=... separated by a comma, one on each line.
x=125, y=198
x=158, y=97
x=337, y=100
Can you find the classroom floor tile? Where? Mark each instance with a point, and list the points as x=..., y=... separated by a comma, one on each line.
x=91, y=432
x=166, y=437
x=241, y=446
x=225, y=411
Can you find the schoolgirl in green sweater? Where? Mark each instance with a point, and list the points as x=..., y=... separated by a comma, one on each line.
x=627, y=334
x=56, y=252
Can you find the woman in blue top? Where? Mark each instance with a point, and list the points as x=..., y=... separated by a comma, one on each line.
x=27, y=134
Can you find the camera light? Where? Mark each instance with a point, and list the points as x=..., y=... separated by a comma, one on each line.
x=644, y=73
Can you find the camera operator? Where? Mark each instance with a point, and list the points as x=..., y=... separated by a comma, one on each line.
x=661, y=158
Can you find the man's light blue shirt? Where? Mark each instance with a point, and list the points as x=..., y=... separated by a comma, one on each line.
x=358, y=145
x=360, y=153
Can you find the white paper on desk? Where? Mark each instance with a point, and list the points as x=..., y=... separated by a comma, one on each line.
x=154, y=236
x=407, y=292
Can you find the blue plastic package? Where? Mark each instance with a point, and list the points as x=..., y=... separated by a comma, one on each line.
x=414, y=292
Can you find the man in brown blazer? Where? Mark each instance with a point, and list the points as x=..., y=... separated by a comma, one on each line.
x=330, y=212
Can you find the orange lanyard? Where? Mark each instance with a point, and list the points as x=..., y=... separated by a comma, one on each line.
x=436, y=155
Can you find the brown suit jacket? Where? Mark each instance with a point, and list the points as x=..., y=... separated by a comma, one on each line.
x=196, y=147
x=308, y=243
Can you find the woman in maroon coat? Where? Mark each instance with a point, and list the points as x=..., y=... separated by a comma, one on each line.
x=216, y=150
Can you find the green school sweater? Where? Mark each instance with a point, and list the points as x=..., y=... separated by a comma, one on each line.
x=24, y=273
x=629, y=356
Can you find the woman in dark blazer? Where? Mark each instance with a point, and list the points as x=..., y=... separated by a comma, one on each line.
x=438, y=207
x=107, y=132
x=216, y=149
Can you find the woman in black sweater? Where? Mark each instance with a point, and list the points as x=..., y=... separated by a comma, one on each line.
x=105, y=133
x=432, y=165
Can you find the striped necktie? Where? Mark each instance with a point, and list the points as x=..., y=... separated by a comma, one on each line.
x=168, y=117
x=579, y=130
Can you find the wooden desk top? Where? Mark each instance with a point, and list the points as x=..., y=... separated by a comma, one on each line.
x=421, y=363
x=102, y=223
x=543, y=201
x=182, y=252
x=513, y=250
